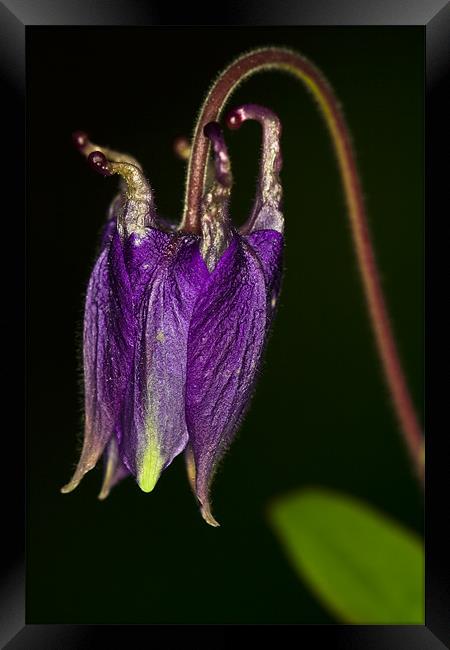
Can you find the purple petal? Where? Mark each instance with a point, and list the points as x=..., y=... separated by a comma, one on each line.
x=142, y=255
x=226, y=341
x=268, y=246
x=127, y=259
x=107, y=350
x=154, y=422
x=108, y=231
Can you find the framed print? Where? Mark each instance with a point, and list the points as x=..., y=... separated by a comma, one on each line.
x=225, y=322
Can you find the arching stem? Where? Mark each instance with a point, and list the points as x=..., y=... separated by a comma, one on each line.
x=285, y=60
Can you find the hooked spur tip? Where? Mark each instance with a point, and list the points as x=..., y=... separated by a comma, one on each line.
x=80, y=139
x=98, y=162
x=235, y=118
x=266, y=117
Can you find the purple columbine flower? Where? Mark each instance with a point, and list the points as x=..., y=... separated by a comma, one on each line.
x=175, y=321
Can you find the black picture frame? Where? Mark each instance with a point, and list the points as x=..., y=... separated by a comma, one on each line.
x=16, y=18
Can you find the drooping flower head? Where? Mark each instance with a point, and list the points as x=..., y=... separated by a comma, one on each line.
x=175, y=321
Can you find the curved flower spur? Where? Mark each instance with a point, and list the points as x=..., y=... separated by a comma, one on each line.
x=176, y=319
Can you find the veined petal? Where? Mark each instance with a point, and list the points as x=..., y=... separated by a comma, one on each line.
x=154, y=423
x=226, y=340
x=110, y=311
x=268, y=246
x=107, y=352
x=142, y=255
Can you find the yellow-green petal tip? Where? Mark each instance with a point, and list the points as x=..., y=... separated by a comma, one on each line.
x=150, y=468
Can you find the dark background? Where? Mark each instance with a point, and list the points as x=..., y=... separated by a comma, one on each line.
x=321, y=414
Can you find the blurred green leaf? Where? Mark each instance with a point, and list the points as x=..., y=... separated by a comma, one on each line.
x=363, y=566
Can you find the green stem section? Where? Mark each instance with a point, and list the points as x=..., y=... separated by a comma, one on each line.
x=285, y=60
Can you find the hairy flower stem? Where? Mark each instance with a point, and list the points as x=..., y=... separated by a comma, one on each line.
x=291, y=62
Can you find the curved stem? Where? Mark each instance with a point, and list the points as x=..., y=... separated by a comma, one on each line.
x=281, y=59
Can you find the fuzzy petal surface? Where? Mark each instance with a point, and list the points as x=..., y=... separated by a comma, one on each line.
x=154, y=422
x=226, y=341
x=108, y=340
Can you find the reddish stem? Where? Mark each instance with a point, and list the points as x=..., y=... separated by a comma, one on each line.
x=274, y=58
